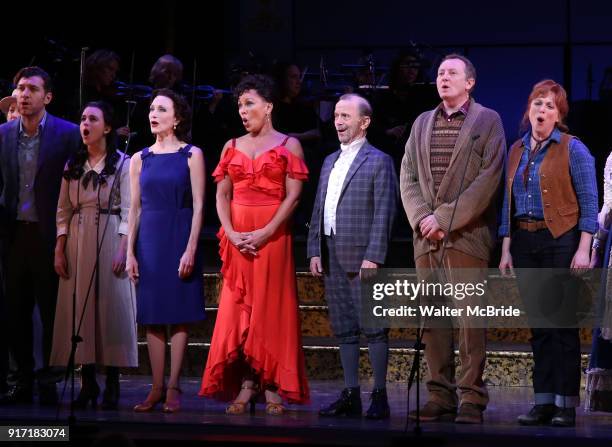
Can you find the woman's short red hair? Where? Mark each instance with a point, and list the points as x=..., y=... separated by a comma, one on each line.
x=543, y=88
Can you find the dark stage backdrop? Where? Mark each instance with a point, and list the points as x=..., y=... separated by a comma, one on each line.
x=52, y=36
x=513, y=44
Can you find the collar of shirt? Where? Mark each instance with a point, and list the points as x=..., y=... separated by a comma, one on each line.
x=347, y=149
x=554, y=136
x=462, y=110
x=98, y=167
x=41, y=126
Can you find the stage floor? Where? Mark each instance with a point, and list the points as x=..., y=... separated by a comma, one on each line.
x=205, y=420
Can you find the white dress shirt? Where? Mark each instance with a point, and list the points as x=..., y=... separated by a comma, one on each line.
x=348, y=152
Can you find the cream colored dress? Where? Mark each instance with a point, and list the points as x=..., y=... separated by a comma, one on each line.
x=605, y=220
x=109, y=323
x=599, y=380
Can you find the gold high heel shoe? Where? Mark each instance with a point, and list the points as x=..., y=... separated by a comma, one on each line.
x=172, y=406
x=274, y=408
x=156, y=395
x=237, y=408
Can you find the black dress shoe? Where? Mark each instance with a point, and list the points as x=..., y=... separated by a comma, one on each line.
x=87, y=394
x=110, y=399
x=47, y=394
x=564, y=417
x=379, y=406
x=349, y=404
x=538, y=415
x=90, y=390
x=17, y=394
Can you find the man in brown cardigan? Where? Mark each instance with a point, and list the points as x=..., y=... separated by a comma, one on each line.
x=460, y=139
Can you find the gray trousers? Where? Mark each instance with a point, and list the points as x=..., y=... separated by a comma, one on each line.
x=343, y=295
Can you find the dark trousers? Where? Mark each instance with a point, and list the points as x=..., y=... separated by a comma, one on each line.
x=556, y=351
x=3, y=333
x=30, y=280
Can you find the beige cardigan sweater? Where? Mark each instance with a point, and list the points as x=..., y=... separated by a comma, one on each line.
x=474, y=225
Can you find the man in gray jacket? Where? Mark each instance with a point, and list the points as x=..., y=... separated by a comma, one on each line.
x=454, y=155
x=354, y=209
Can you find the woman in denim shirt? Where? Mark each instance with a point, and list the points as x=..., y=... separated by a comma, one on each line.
x=548, y=218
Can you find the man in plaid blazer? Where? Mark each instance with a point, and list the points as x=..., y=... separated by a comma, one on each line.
x=454, y=156
x=354, y=209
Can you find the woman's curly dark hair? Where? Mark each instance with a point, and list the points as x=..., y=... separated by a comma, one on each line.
x=262, y=84
x=76, y=163
x=182, y=112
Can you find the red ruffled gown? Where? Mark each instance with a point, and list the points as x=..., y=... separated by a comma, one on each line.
x=258, y=324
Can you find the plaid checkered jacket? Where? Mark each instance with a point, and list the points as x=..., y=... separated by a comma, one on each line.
x=365, y=212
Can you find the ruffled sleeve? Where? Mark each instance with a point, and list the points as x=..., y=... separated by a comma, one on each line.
x=296, y=168
x=221, y=170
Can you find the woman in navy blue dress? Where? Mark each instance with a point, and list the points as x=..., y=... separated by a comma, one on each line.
x=167, y=187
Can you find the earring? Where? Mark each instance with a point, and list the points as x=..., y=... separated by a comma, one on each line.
x=174, y=126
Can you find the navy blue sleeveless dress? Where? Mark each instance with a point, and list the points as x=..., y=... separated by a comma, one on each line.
x=165, y=223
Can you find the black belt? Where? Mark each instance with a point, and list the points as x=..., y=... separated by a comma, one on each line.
x=115, y=211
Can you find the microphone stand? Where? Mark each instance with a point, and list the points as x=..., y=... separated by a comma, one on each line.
x=76, y=338
x=467, y=162
x=415, y=371
x=130, y=102
x=82, y=77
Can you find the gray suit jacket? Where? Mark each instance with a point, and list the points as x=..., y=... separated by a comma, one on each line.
x=366, y=209
x=59, y=140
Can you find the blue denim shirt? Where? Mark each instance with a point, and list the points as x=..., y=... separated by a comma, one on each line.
x=528, y=200
x=27, y=157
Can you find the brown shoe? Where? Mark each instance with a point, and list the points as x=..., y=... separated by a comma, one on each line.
x=433, y=411
x=469, y=414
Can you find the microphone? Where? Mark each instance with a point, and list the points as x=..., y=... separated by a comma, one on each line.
x=473, y=139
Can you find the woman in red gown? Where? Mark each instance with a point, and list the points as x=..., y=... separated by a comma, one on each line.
x=256, y=344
